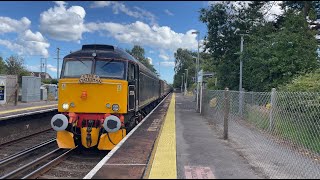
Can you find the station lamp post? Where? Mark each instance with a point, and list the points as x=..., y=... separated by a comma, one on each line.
x=197, y=69
x=185, y=87
x=240, y=79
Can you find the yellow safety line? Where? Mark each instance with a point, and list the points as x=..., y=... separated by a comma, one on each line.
x=28, y=108
x=164, y=165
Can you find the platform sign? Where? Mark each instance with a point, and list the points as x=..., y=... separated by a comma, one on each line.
x=200, y=76
x=2, y=91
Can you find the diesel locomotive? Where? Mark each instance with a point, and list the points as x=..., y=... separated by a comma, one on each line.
x=103, y=92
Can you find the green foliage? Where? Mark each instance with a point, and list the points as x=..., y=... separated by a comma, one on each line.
x=14, y=66
x=308, y=8
x=211, y=83
x=223, y=42
x=305, y=83
x=138, y=53
x=274, y=53
x=2, y=66
x=50, y=81
x=185, y=59
x=279, y=56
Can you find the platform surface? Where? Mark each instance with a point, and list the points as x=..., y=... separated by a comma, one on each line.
x=200, y=153
x=9, y=109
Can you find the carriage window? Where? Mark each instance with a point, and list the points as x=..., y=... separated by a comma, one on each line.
x=75, y=68
x=110, y=68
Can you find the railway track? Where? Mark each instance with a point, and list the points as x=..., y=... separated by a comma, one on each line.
x=17, y=145
x=56, y=163
x=45, y=160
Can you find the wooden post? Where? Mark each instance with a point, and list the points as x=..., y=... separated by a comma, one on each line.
x=226, y=113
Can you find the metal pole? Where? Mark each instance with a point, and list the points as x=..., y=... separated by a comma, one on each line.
x=186, y=84
x=58, y=49
x=226, y=113
x=159, y=70
x=271, y=120
x=40, y=66
x=241, y=63
x=183, y=79
x=201, y=97
x=46, y=68
x=181, y=82
x=197, y=74
x=240, y=83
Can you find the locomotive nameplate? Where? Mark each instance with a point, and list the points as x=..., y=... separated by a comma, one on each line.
x=90, y=78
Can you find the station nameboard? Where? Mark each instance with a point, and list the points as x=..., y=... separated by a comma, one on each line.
x=2, y=93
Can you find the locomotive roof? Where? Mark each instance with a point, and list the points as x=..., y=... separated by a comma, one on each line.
x=109, y=51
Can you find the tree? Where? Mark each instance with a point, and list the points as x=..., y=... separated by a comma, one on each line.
x=304, y=83
x=280, y=55
x=184, y=59
x=274, y=52
x=2, y=66
x=222, y=42
x=14, y=66
x=138, y=53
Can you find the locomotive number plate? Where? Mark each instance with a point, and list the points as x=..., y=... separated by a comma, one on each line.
x=90, y=78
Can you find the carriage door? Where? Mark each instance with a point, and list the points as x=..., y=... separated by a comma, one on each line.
x=132, y=81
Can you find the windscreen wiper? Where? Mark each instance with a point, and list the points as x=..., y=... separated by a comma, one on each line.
x=107, y=63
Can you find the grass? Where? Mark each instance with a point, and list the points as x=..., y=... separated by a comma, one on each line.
x=299, y=133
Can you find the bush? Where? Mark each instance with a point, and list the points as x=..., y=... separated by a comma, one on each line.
x=305, y=83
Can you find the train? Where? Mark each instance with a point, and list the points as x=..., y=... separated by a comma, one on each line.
x=103, y=93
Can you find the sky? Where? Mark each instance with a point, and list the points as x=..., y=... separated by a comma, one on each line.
x=34, y=30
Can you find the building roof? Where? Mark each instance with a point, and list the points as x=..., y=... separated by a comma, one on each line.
x=43, y=75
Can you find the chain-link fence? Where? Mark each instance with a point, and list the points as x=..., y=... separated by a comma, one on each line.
x=278, y=132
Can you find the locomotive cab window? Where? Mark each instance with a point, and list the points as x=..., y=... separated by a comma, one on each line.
x=77, y=67
x=110, y=69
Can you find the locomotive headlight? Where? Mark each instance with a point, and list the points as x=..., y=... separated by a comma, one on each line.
x=115, y=107
x=65, y=106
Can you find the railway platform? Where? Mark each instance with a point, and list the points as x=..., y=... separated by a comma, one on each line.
x=9, y=110
x=175, y=142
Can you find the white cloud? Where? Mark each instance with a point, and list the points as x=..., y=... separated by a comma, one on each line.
x=159, y=37
x=117, y=7
x=168, y=12
x=36, y=68
x=33, y=68
x=52, y=68
x=100, y=4
x=167, y=64
x=164, y=55
x=11, y=25
x=63, y=24
x=272, y=9
x=236, y=4
x=28, y=43
x=150, y=60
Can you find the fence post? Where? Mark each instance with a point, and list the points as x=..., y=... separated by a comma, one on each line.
x=226, y=113
x=272, y=103
x=241, y=101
